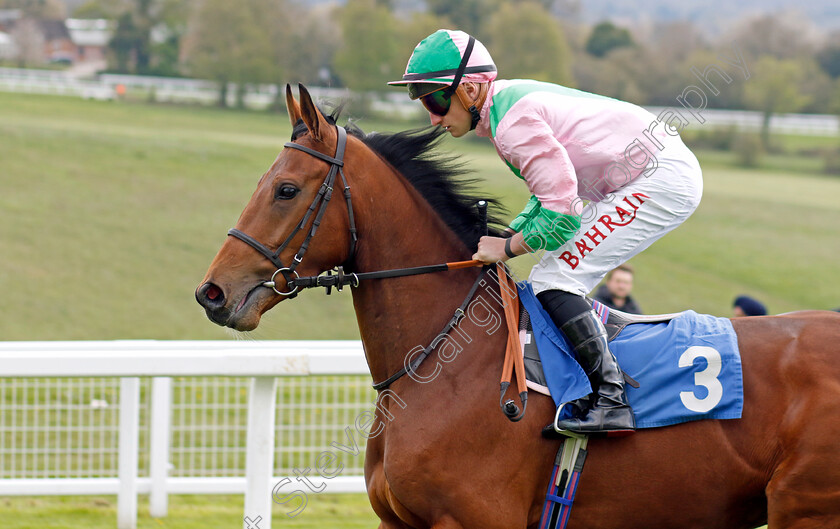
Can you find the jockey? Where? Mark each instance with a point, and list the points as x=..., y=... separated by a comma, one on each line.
x=607, y=180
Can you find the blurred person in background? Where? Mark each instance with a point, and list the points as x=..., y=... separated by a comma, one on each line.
x=615, y=292
x=747, y=306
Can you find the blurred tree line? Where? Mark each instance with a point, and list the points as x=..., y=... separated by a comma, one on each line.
x=364, y=43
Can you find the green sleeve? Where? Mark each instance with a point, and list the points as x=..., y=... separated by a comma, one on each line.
x=544, y=229
x=526, y=215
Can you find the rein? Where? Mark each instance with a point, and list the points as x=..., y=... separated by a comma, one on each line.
x=339, y=278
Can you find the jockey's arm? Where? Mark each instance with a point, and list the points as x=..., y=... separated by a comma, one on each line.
x=529, y=147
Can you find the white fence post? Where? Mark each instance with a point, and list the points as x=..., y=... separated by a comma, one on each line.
x=259, y=458
x=159, y=440
x=129, y=444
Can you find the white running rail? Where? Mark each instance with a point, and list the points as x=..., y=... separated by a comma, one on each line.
x=39, y=409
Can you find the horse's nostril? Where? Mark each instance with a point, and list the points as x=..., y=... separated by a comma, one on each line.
x=213, y=292
x=210, y=295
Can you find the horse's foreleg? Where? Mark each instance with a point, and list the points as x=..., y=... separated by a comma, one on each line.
x=804, y=492
x=392, y=514
x=814, y=507
x=447, y=522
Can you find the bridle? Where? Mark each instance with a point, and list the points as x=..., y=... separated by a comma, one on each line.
x=322, y=198
x=340, y=278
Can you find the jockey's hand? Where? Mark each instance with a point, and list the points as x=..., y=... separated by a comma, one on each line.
x=492, y=249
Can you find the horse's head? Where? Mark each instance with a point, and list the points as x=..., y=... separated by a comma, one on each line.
x=270, y=245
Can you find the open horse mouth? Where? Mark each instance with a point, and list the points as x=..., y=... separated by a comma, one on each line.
x=242, y=315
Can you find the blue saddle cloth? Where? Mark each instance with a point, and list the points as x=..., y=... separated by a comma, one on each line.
x=688, y=368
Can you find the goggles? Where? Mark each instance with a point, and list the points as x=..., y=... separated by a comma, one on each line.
x=437, y=98
x=438, y=102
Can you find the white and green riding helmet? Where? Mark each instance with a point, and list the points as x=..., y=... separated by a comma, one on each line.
x=446, y=57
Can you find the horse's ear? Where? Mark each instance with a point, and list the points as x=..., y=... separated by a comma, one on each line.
x=315, y=121
x=292, y=105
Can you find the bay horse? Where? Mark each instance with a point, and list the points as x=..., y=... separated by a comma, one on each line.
x=443, y=456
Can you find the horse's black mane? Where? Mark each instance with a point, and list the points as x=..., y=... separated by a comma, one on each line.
x=439, y=179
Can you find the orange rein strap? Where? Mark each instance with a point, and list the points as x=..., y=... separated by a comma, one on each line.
x=513, y=353
x=463, y=264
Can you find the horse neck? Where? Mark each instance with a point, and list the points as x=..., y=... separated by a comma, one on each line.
x=399, y=229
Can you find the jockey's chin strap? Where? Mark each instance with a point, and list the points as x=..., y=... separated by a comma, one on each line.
x=473, y=107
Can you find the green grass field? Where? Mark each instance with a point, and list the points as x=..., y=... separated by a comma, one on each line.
x=347, y=511
x=110, y=214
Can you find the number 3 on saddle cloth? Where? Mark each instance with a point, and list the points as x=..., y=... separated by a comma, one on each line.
x=687, y=365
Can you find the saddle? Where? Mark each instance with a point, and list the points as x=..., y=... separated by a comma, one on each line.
x=687, y=365
x=614, y=321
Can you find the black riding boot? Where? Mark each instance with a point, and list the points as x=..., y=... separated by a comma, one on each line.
x=610, y=411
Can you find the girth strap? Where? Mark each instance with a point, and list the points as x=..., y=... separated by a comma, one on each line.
x=568, y=466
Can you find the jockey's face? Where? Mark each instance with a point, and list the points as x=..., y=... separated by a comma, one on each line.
x=458, y=120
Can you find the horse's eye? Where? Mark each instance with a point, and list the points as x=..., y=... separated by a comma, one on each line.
x=286, y=192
